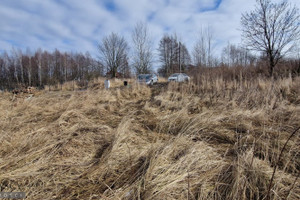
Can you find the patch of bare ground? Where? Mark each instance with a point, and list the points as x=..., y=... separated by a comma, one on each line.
x=176, y=141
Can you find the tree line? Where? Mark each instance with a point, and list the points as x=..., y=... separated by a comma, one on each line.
x=173, y=55
x=42, y=68
x=272, y=30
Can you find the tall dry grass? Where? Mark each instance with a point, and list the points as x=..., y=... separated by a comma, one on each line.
x=214, y=140
x=97, y=83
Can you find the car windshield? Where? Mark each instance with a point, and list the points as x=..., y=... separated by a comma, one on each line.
x=144, y=76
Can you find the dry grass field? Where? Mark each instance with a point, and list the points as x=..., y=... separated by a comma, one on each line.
x=217, y=140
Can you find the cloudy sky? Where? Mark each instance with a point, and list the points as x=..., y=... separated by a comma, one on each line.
x=79, y=25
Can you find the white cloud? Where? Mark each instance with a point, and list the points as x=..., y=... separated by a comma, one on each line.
x=79, y=25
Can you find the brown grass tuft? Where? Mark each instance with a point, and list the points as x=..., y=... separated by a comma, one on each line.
x=216, y=140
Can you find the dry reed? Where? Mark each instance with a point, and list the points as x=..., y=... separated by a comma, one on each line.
x=217, y=140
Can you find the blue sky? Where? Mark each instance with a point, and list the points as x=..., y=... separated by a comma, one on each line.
x=79, y=25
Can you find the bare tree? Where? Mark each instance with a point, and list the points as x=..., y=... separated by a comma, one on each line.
x=272, y=28
x=142, y=55
x=236, y=55
x=182, y=56
x=173, y=55
x=125, y=69
x=29, y=67
x=165, y=54
x=15, y=60
x=39, y=63
x=44, y=68
x=298, y=59
x=19, y=57
x=8, y=76
x=202, y=52
x=113, y=52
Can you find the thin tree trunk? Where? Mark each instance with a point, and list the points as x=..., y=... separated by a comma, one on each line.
x=29, y=72
x=40, y=74
x=22, y=70
x=272, y=65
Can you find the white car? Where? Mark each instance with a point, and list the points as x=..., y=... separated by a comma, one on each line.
x=148, y=79
x=179, y=77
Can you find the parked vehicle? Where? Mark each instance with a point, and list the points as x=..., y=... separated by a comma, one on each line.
x=179, y=77
x=148, y=79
